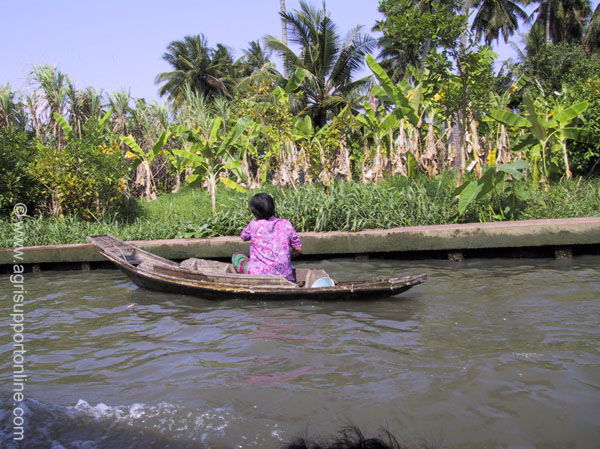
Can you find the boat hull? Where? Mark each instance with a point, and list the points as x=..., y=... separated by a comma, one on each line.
x=214, y=293
x=152, y=272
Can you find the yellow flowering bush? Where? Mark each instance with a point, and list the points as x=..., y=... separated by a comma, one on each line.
x=87, y=177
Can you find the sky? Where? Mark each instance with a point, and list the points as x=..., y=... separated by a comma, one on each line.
x=118, y=44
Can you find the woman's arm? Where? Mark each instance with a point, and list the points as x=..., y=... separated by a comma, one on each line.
x=295, y=243
x=246, y=232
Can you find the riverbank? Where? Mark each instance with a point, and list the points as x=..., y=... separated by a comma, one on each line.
x=396, y=202
x=553, y=238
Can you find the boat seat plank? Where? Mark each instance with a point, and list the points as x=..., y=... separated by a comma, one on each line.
x=206, y=265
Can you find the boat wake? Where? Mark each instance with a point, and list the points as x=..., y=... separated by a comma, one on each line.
x=162, y=425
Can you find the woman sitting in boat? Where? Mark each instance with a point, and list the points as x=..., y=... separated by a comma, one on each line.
x=273, y=242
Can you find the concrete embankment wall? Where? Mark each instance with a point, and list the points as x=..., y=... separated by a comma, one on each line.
x=559, y=237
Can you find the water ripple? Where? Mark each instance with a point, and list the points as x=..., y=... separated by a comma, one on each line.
x=481, y=347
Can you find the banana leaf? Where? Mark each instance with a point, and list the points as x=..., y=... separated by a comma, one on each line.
x=571, y=112
x=580, y=135
x=64, y=125
x=509, y=118
x=231, y=184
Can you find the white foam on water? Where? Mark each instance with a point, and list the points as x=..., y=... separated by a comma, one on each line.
x=94, y=426
x=163, y=417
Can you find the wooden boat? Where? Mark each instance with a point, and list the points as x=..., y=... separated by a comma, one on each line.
x=218, y=280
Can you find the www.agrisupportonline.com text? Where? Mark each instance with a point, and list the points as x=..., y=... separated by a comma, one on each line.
x=17, y=323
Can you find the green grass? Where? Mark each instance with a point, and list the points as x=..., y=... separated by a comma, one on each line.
x=393, y=202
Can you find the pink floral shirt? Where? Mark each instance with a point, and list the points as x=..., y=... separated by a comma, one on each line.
x=270, y=242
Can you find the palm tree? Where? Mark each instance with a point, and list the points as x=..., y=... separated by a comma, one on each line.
x=54, y=86
x=395, y=58
x=327, y=61
x=284, y=36
x=224, y=67
x=561, y=20
x=84, y=105
x=120, y=103
x=193, y=64
x=254, y=58
x=495, y=17
x=11, y=109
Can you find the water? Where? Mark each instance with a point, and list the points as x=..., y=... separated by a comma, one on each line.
x=486, y=353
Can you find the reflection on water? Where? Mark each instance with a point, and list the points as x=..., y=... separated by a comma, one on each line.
x=485, y=354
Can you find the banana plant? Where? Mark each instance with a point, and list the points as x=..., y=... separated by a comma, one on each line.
x=410, y=105
x=543, y=131
x=499, y=129
x=210, y=154
x=378, y=125
x=68, y=130
x=144, y=159
x=562, y=119
x=305, y=135
x=316, y=143
x=493, y=176
x=405, y=98
x=178, y=164
x=267, y=139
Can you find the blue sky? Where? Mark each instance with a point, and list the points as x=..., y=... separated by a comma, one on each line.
x=114, y=44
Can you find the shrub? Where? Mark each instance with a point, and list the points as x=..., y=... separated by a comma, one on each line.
x=17, y=184
x=87, y=177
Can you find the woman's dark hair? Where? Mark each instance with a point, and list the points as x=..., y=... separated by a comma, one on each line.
x=262, y=206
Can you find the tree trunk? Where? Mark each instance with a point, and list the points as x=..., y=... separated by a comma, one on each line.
x=284, y=38
x=476, y=148
x=566, y=159
x=150, y=188
x=177, y=183
x=457, y=140
x=548, y=6
x=458, y=132
x=212, y=190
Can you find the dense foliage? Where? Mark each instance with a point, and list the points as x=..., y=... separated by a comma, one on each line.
x=433, y=109
x=17, y=154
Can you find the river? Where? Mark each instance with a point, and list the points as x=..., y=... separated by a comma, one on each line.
x=487, y=353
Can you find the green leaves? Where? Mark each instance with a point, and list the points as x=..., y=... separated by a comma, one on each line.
x=295, y=80
x=210, y=157
x=580, y=135
x=231, y=184
x=384, y=80
x=537, y=123
x=571, y=113
x=514, y=169
x=104, y=120
x=509, y=118
x=411, y=165
x=64, y=125
x=159, y=144
x=543, y=131
x=303, y=127
x=191, y=159
x=138, y=154
x=234, y=134
x=406, y=99
x=471, y=191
